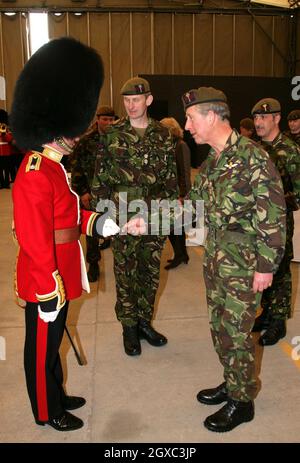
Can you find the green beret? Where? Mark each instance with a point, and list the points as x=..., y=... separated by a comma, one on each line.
x=105, y=111
x=203, y=95
x=293, y=115
x=135, y=86
x=266, y=106
x=247, y=123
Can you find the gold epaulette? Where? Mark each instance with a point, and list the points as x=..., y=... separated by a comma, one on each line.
x=34, y=161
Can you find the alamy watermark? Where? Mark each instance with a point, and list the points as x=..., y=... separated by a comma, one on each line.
x=161, y=216
x=296, y=349
x=2, y=348
x=296, y=90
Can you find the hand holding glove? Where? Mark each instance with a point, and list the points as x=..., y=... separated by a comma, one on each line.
x=51, y=303
x=48, y=310
x=104, y=226
x=47, y=316
x=110, y=228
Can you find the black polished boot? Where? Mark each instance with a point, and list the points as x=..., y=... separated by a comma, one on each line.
x=65, y=422
x=131, y=340
x=230, y=415
x=153, y=337
x=276, y=331
x=262, y=322
x=213, y=396
x=93, y=273
x=177, y=261
x=72, y=402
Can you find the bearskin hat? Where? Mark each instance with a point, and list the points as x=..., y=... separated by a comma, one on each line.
x=56, y=94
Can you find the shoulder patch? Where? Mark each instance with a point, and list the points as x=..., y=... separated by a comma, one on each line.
x=34, y=162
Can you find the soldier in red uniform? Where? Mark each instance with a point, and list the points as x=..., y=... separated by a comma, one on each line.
x=5, y=150
x=54, y=101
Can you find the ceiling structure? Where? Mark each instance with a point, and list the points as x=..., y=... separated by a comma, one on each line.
x=152, y=5
x=278, y=3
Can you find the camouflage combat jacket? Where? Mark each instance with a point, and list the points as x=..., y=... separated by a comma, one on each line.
x=144, y=168
x=293, y=136
x=285, y=154
x=82, y=162
x=243, y=193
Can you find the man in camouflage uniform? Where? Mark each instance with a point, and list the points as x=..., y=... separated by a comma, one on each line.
x=294, y=126
x=247, y=128
x=136, y=160
x=285, y=154
x=245, y=216
x=82, y=165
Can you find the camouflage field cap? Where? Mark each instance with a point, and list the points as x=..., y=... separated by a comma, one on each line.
x=135, y=86
x=266, y=106
x=203, y=95
x=293, y=115
x=105, y=111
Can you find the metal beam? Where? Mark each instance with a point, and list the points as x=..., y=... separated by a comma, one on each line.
x=261, y=10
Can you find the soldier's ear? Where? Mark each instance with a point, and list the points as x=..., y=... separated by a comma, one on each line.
x=277, y=118
x=149, y=100
x=211, y=116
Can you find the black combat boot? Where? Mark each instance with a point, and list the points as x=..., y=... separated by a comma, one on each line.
x=94, y=272
x=230, y=415
x=262, y=322
x=276, y=331
x=177, y=261
x=65, y=422
x=213, y=396
x=153, y=337
x=131, y=340
x=180, y=252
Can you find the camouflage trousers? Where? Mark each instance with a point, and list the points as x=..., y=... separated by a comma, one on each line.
x=228, y=274
x=278, y=298
x=136, y=268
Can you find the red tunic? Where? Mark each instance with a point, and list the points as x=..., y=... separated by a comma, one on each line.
x=5, y=144
x=43, y=203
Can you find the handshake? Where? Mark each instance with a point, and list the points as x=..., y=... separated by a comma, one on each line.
x=135, y=226
x=49, y=310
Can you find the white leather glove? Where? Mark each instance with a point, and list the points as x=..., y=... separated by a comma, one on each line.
x=110, y=228
x=47, y=316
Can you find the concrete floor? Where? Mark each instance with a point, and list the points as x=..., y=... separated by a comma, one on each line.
x=150, y=398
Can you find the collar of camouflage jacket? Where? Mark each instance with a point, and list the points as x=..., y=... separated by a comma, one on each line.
x=151, y=124
x=230, y=147
x=277, y=139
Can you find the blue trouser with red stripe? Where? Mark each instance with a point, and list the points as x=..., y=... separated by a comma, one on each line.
x=44, y=375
